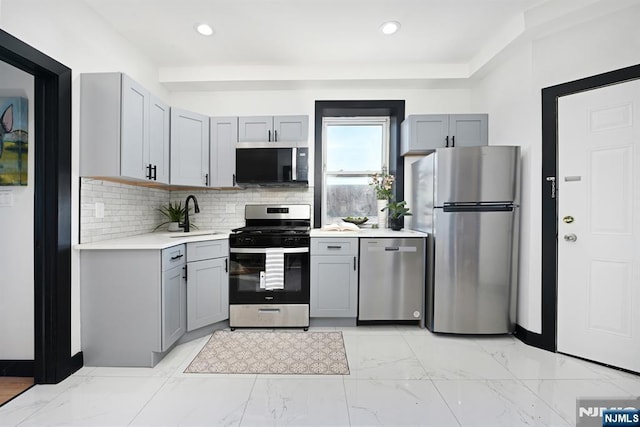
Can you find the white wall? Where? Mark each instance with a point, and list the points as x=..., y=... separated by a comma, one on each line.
x=16, y=235
x=511, y=94
x=71, y=33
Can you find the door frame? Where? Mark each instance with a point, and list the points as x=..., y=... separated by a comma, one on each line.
x=53, y=361
x=548, y=338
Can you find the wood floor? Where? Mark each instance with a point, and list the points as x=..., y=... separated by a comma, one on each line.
x=13, y=386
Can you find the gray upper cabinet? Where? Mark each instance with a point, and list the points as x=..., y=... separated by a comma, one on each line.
x=334, y=277
x=159, y=121
x=223, y=138
x=189, y=148
x=273, y=129
x=122, y=129
x=423, y=133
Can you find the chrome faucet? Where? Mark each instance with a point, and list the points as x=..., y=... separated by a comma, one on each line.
x=196, y=209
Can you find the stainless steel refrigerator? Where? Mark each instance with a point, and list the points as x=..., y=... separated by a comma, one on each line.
x=468, y=199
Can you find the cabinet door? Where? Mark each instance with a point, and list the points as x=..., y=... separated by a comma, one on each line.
x=224, y=135
x=207, y=292
x=189, y=148
x=422, y=134
x=290, y=128
x=334, y=286
x=174, y=294
x=468, y=130
x=159, y=140
x=255, y=129
x=134, y=137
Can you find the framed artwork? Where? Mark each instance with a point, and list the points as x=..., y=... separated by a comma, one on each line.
x=14, y=140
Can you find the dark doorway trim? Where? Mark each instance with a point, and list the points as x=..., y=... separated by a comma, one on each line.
x=394, y=109
x=52, y=212
x=548, y=338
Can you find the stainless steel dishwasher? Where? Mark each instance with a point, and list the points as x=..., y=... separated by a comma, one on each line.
x=392, y=279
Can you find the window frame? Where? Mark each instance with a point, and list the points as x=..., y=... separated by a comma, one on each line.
x=384, y=121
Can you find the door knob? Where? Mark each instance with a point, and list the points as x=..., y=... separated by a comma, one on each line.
x=568, y=219
x=570, y=237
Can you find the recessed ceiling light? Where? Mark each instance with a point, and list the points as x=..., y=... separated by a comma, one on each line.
x=390, y=27
x=204, y=29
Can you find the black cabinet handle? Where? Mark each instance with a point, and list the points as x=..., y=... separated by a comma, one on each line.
x=391, y=248
x=275, y=135
x=354, y=263
x=206, y=179
x=453, y=141
x=226, y=265
x=447, y=141
x=234, y=179
x=185, y=272
x=334, y=247
x=154, y=172
x=177, y=256
x=148, y=174
x=269, y=135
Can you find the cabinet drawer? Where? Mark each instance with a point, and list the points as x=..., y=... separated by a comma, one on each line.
x=173, y=256
x=334, y=246
x=209, y=249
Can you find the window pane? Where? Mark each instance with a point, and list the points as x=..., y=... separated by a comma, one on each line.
x=350, y=196
x=354, y=147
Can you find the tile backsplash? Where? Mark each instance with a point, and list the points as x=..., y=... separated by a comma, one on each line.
x=130, y=209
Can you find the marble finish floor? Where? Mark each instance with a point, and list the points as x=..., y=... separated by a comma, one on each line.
x=400, y=376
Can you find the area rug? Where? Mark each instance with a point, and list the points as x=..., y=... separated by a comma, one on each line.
x=272, y=352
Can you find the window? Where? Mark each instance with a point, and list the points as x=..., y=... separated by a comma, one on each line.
x=353, y=149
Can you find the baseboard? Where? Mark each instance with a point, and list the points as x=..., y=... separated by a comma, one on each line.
x=76, y=362
x=533, y=339
x=17, y=368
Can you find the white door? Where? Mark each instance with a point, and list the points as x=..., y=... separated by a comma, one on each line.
x=599, y=251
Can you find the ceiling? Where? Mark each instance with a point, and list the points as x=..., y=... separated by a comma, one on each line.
x=311, y=40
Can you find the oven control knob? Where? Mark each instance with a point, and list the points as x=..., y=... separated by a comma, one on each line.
x=289, y=240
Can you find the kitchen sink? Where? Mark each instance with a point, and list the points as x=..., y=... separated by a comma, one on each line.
x=182, y=234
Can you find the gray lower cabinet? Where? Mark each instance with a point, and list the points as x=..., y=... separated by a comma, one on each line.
x=334, y=277
x=207, y=283
x=133, y=305
x=423, y=133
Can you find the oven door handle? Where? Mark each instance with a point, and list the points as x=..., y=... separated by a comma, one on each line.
x=264, y=250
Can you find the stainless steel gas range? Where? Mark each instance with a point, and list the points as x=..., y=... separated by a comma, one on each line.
x=269, y=267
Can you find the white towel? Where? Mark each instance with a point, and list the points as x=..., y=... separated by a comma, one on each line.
x=274, y=269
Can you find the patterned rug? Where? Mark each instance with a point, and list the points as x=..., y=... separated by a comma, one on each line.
x=269, y=352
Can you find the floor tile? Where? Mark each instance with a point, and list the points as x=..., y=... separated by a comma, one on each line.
x=453, y=358
x=396, y=403
x=561, y=395
x=33, y=400
x=628, y=385
x=527, y=362
x=382, y=357
x=97, y=401
x=496, y=403
x=197, y=402
x=296, y=402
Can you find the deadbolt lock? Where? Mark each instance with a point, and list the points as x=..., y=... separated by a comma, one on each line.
x=568, y=219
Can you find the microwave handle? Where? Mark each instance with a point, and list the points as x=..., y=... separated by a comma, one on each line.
x=294, y=164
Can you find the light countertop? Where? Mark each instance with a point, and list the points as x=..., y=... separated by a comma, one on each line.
x=161, y=240
x=368, y=232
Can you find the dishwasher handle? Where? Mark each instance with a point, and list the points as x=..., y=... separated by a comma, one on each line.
x=391, y=248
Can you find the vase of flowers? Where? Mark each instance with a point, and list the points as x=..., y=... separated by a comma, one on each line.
x=382, y=183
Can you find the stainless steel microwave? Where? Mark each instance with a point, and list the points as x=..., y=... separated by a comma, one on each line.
x=272, y=166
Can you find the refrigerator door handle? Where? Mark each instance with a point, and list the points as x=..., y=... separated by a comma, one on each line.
x=502, y=207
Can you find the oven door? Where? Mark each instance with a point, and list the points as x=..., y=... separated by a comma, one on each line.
x=246, y=265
